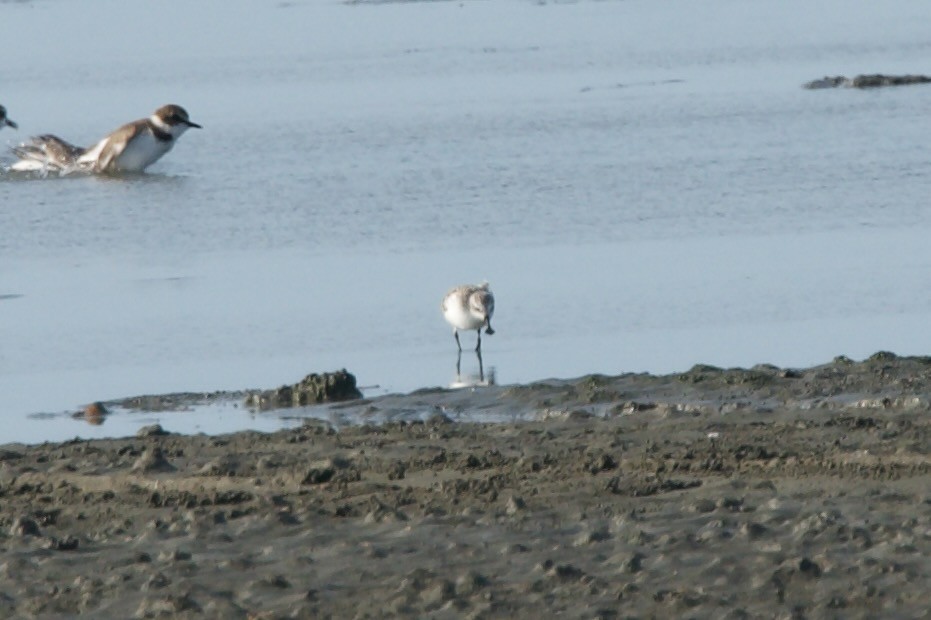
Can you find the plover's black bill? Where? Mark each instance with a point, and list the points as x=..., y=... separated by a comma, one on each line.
x=194, y=125
x=10, y=123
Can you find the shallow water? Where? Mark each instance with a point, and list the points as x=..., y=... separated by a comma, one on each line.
x=645, y=185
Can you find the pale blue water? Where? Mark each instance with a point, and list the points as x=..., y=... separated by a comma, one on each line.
x=645, y=185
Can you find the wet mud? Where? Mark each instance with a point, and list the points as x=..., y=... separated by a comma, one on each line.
x=743, y=493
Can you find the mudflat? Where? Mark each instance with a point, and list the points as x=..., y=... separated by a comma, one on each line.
x=742, y=493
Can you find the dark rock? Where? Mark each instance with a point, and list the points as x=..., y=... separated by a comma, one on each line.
x=599, y=463
x=826, y=82
x=168, y=606
x=438, y=593
x=152, y=460
x=156, y=582
x=866, y=81
x=24, y=526
x=9, y=455
x=809, y=568
x=396, y=471
x=174, y=555
x=635, y=563
x=514, y=505
x=470, y=583
x=312, y=389
x=278, y=581
x=566, y=572
x=68, y=543
x=153, y=430
x=873, y=81
x=634, y=487
x=753, y=531
x=225, y=465
x=317, y=475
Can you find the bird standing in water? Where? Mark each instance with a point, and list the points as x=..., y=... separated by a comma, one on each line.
x=469, y=307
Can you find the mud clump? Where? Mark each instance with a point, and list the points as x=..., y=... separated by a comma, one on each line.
x=95, y=413
x=311, y=390
x=875, y=80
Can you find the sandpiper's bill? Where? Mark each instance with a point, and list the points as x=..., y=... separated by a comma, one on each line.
x=132, y=148
x=4, y=120
x=469, y=307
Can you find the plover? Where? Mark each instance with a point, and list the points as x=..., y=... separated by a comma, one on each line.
x=4, y=121
x=132, y=148
x=469, y=307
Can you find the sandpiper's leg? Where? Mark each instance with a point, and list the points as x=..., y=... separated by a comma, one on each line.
x=481, y=367
x=478, y=347
x=456, y=336
x=488, y=329
x=458, y=362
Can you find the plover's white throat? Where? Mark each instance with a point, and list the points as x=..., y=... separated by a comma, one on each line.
x=4, y=121
x=469, y=307
x=131, y=148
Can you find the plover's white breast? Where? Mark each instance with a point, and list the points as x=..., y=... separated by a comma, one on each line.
x=127, y=151
x=131, y=148
x=142, y=151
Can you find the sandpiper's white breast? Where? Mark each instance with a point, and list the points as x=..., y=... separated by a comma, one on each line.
x=457, y=313
x=465, y=307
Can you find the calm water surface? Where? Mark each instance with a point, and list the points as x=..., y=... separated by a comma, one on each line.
x=645, y=185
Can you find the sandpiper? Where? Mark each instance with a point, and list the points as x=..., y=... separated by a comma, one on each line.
x=4, y=121
x=469, y=307
x=132, y=148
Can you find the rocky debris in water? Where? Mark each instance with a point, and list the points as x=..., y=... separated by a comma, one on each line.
x=866, y=81
x=180, y=401
x=94, y=413
x=312, y=389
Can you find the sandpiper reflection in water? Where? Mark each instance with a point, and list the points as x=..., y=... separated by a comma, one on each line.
x=472, y=378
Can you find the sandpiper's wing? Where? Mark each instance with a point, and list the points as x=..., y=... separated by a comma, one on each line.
x=46, y=152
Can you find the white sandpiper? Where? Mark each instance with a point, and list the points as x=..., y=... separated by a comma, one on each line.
x=4, y=120
x=132, y=148
x=469, y=307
